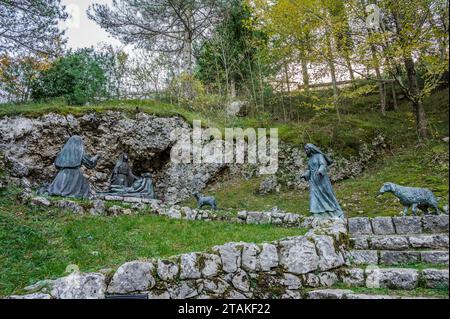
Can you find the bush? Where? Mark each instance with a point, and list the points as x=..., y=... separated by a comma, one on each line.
x=77, y=77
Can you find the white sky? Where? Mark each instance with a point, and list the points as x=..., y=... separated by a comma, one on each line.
x=80, y=30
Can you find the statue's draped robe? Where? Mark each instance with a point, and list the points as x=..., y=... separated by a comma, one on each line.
x=70, y=181
x=122, y=174
x=124, y=183
x=323, y=202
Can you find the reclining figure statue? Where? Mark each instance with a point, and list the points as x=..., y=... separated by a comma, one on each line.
x=124, y=183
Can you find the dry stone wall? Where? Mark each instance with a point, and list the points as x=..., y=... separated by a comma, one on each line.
x=287, y=268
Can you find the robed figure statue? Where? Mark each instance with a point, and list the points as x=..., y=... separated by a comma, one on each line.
x=322, y=199
x=122, y=175
x=70, y=181
x=124, y=183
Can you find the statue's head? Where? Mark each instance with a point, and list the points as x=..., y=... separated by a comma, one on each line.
x=386, y=188
x=196, y=195
x=125, y=157
x=311, y=149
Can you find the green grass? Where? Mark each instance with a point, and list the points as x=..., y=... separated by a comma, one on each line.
x=417, y=292
x=359, y=123
x=424, y=166
x=37, y=244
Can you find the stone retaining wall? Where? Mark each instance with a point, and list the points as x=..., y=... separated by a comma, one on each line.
x=233, y=270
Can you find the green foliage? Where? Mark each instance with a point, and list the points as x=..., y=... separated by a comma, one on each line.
x=77, y=77
x=233, y=59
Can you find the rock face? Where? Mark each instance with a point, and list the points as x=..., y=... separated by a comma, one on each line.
x=30, y=146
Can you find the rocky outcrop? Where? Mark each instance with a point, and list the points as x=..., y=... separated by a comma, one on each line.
x=29, y=147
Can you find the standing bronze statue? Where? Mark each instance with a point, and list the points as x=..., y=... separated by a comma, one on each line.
x=70, y=181
x=322, y=199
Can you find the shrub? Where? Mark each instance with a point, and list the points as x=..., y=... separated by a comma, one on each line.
x=78, y=77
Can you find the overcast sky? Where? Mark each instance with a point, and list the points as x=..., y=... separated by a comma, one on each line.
x=80, y=30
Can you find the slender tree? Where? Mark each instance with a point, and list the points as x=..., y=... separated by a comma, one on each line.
x=31, y=26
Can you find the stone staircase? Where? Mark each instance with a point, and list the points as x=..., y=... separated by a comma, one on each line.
x=394, y=253
x=391, y=241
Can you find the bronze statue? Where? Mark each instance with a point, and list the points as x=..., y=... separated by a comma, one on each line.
x=70, y=181
x=124, y=183
x=322, y=199
x=122, y=174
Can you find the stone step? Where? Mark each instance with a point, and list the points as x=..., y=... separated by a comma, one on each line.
x=400, y=242
x=398, y=225
x=394, y=278
x=349, y=294
x=392, y=257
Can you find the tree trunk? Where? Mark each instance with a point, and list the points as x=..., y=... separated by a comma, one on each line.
x=305, y=75
x=421, y=120
x=394, y=96
x=330, y=61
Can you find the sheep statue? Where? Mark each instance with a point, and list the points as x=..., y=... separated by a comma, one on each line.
x=205, y=200
x=414, y=197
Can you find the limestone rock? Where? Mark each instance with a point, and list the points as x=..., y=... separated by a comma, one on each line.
x=389, y=243
x=435, y=224
x=392, y=278
x=298, y=255
x=98, y=207
x=399, y=257
x=230, y=255
x=70, y=205
x=211, y=265
x=359, y=226
x=328, y=279
x=40, y=201
x=291, y=281
x=183, y=290
x=241, y=281
x=383, y=226
x=249, y=256
x=328, y=294
x=328, y=257
x=435, y=278
x=79, y=286
x=189, y=266
x=429, y=241
x=312, y=280
x=363, y=257
x=158, y=295
x=132, y=276
x=167, y=270
x=258, y=218
x=268, y=257
x=353, y=277
x=434, y=257
x=407, y=225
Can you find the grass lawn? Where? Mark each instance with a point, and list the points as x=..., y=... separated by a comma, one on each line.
x=37, y=244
